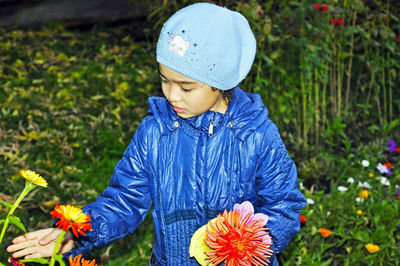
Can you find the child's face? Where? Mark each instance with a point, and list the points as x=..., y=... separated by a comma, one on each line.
x=189, y=97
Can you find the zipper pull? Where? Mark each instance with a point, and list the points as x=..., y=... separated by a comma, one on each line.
x=211, y=126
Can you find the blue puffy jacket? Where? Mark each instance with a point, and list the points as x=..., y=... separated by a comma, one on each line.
x=189, y=177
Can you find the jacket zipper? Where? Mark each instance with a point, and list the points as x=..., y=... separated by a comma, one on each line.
x=211, y=126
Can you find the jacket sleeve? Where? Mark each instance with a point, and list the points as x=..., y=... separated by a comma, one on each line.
x=278, y=190
x=124, y=204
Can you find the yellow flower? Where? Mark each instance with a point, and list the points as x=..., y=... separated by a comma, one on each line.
x=33, y=177
x=359, y=212
x=371, y=175
x=372, y=248
x=198, y=247
x=364, y=194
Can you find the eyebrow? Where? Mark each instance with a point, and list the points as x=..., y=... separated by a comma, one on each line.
x=177, y=81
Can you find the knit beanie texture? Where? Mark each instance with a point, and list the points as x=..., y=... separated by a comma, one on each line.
x=208, y=43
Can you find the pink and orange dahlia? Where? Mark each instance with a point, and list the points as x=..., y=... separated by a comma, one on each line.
x=236, y=237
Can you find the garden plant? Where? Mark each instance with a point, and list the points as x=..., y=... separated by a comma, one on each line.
x=328, y=71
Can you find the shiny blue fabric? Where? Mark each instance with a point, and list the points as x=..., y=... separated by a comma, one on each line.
x=189, y=178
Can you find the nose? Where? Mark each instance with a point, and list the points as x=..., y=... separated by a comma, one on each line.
x=174, y=93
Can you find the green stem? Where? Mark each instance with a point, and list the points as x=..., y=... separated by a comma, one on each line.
x=58, y=243
x=28, y=187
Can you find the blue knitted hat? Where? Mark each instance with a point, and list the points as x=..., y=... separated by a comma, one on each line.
x=208, y=43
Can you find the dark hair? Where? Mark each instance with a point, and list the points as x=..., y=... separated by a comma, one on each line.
x=227, y=94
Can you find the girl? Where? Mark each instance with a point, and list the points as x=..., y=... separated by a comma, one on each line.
x=204, y=147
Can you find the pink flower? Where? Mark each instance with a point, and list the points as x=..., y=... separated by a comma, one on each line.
x=247, y=208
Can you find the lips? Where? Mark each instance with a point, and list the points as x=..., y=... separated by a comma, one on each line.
x=179, y=110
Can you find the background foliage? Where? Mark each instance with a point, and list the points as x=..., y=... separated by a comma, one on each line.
x=71, y=100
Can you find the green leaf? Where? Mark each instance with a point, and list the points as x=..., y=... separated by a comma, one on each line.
x=362, y=236
x=391, y=126
x=17, y=222
x=37, y=260
x=5, y=203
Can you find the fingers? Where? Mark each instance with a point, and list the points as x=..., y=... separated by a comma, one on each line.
x=32, y=235
x=52, y=236
x=30, y=251
x=22, y=245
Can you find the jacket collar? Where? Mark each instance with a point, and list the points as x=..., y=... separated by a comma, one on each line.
x=245, y=113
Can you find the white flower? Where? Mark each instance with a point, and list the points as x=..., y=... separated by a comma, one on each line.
x=342, y=188
x=385, y=181
x=365, y=163
x=364, y=185
x=381, y=168
x=350, y=180
x=310, y=201
x=301, y=186
x=358, y=199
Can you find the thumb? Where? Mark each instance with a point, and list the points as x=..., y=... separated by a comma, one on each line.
x=52, y=236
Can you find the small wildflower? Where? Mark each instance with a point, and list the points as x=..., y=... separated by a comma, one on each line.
x=364, y=185
x=342, y=188
x=365, y=163
x=310, y=201
x=398, y=150
x=337, y=22
x=385, y=181
x=325, y=232
x=303, y=219
x=398, y=193
x=358, y=199
x=382, y=169
x=33, y=177
x=364, y=194
x=398, y=227
x=321, y=8
x=372, y=248
x=398, y=38
x=388, y=165
x=371, y=175
x=391, y=144
x=359, y=212
x=350, y=180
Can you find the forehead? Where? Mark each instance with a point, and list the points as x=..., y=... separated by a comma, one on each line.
x=172, y=75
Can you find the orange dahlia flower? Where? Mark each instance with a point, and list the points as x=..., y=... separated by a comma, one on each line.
x=237, y=240
x=77, y=261
x=303, y=219
x=73, y=217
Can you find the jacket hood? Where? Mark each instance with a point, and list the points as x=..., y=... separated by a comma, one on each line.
x=245, y=113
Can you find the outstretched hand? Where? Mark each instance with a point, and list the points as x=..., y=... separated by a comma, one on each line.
x=40, y=243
